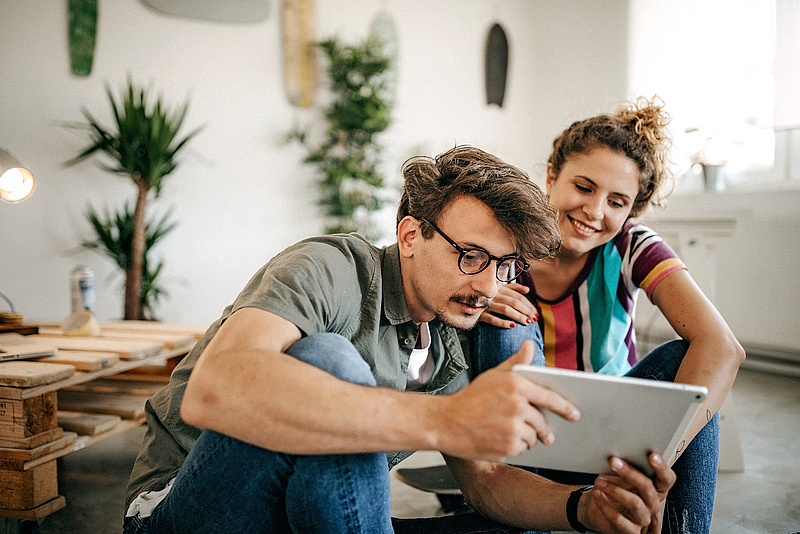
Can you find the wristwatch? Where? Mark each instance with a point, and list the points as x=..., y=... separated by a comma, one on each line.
x=572, y=509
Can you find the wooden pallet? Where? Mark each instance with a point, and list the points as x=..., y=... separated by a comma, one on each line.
x=126, y=349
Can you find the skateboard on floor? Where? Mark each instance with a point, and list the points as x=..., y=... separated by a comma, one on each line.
x=439, y=480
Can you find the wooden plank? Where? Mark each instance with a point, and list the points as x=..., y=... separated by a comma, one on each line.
x=84, y=441
x=33, y=441
x=126, y=349
x=15, y=346
x=26, y=455
x=37, y=513
x=27, y=417
x=82, y=361
x=125, y=406
x=170, y=340
x=146, y=388
x=23, y=490
x=87, y=424
x=80, y=377
x=154, y=327
x=28, y=374
x=24, y=329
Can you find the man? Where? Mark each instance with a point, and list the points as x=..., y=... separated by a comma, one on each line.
x=301, y=384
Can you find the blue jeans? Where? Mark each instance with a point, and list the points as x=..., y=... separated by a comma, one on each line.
x=691, y=500
x=226, y=485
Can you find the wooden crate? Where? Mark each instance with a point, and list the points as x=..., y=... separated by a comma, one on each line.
x=23, y=490
x=27, y=417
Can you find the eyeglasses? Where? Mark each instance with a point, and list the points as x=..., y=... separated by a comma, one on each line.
x=476, y=260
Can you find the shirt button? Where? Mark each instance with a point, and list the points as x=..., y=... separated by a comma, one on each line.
x=407, y=341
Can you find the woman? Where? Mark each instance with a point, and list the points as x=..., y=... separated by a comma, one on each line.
x=603, y=172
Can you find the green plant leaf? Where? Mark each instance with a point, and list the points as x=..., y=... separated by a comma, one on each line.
x=348, y=158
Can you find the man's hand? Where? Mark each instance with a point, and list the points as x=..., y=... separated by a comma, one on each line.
x=510, y=303
x=498, y=415
x=628, y=502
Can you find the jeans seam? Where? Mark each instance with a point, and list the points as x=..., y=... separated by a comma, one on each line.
x=347, y=497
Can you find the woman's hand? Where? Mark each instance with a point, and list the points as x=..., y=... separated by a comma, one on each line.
x=510, y=303
x=629, y=502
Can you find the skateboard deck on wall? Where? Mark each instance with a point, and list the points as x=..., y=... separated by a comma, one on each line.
x=384, y=30
x=237, y=12
x=496, y=65
x=82, y=33
x=299, y=51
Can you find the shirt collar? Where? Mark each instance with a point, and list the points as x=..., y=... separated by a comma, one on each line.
x=394, y=297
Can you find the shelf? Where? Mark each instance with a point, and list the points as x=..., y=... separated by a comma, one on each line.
x=84, y=441
x=15, y=393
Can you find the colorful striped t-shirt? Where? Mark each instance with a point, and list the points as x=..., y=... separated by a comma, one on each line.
x=590, y=327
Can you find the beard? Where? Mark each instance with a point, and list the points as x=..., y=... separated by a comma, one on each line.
x=466, y=322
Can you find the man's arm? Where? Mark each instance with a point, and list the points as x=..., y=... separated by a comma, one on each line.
x=245, y=386
x=628, y=501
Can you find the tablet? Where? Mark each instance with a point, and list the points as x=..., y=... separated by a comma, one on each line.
x=620, y=416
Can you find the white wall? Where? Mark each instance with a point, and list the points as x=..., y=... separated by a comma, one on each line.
x=239, y=194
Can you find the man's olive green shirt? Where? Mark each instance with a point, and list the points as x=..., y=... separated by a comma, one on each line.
x=340, y=284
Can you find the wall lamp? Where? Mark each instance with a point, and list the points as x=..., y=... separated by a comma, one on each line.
x=16, y=182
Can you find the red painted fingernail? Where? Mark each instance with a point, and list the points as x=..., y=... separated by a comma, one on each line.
x=528, y=320
x=535, y=316
x=512, y=325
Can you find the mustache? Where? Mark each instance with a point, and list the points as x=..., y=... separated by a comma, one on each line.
x=475, y=301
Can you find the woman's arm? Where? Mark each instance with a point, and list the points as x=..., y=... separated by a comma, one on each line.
x=714, y=354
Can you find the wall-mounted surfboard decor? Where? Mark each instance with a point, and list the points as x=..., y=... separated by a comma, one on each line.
x=231, y=11
x=82, y=32
x=299, y=51
x=384, y=30
x=496, y=65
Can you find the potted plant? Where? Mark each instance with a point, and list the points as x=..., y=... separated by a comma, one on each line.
x=143, y=146
x=113, y=237
x=351, y=186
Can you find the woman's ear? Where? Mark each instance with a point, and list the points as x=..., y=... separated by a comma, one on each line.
x=408, y=231
x=551, y=178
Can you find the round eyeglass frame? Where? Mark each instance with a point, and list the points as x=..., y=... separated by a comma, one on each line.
x=510, y=261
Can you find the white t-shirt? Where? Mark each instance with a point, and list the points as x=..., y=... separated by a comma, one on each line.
x=421, y=364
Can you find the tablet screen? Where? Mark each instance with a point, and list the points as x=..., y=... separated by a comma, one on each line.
x=620, y=416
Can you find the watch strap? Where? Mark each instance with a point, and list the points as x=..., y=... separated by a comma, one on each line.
x=572, y=509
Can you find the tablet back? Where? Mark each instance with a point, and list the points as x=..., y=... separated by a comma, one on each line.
x=620, y=416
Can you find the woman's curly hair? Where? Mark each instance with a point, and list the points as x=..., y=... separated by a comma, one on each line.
x=638, y=130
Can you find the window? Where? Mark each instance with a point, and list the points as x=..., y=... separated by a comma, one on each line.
x=728, y=71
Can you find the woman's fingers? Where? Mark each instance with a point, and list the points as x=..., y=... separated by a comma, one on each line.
x=509, y=306
x=630, y=501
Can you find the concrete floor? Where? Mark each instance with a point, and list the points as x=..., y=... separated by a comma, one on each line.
x=763, y=499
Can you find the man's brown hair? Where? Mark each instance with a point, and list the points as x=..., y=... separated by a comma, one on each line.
x=519, y=205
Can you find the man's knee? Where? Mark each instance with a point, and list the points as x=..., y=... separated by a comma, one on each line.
x=334, y=354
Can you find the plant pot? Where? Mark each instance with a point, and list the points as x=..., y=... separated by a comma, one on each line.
x=713, y=178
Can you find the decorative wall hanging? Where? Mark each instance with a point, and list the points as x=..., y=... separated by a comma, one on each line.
x=299, y=51
x=496, y=65
x=82, y=31
x=384, y=30
x=233, y=11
